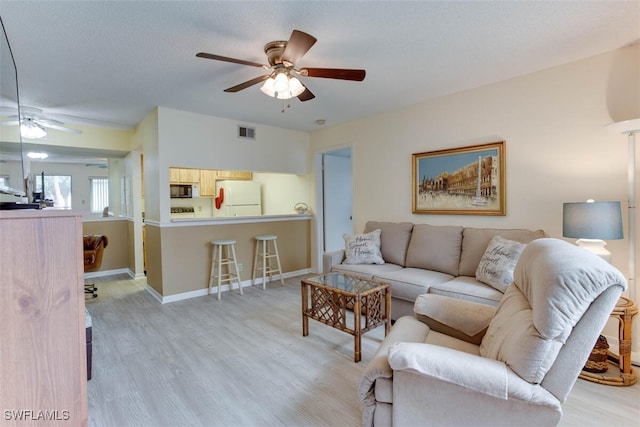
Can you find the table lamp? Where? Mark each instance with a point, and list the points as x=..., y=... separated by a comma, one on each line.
x=591, y=223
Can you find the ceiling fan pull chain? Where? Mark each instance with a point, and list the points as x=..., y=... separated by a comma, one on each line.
x=285, y=107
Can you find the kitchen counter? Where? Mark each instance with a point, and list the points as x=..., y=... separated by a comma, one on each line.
x=182, y=222
x=187, y=243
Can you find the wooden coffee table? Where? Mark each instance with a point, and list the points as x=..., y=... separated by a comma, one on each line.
x=327, y=298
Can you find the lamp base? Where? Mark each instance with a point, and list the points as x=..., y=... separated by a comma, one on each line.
x=595, y=246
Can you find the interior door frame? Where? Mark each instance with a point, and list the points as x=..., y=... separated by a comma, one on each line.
x=318, y=246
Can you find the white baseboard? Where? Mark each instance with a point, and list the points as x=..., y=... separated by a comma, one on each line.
x=103, y=273
x=154, y=293
x=214, y=290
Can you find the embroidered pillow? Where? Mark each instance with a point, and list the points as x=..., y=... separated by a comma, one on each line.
x=498, y=262
x=363, y=248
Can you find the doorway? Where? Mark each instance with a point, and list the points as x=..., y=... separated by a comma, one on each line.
x=336, y=198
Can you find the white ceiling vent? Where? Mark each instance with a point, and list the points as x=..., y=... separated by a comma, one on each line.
x=245, y=132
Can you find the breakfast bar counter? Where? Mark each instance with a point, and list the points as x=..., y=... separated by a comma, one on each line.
x=239, y=219
x=179, y=251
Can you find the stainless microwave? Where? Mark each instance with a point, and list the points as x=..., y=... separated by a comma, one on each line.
x=181, y=191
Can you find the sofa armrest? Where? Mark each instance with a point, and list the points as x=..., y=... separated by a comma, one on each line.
x=466, y=389
x=480, y=374
x=461, y=319
x=329, y=259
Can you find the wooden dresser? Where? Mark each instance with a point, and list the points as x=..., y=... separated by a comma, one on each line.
x=43, y=366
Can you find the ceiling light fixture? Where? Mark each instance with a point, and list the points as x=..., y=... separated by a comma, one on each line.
x=38, y=156
x=282, y=86
x=31, y=130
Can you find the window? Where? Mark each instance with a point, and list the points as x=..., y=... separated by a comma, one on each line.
x=99, y=194
x=4, y=180
x=56, y=188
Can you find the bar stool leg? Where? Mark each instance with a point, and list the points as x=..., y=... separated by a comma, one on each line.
x=235, y=264
x=219, y=247
x=275, y=248
x=212, y=273
x=255, y=262
x=264, y=264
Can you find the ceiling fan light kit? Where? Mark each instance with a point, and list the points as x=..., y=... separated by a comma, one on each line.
x=282, y=86
x=31, y=130
x=283, y=57
x=33, y=123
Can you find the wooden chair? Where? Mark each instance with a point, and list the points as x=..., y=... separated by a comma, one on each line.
x=93, y=250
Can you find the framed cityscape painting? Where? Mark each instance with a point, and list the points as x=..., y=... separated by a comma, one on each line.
x=460, y=181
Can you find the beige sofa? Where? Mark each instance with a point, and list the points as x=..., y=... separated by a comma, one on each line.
x=520, y=373
x=425, y=258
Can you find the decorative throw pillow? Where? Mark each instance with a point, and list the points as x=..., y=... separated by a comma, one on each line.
x=363, y=248
x=498, y=262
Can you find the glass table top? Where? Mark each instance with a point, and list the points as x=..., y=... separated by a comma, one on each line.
x=345, y=283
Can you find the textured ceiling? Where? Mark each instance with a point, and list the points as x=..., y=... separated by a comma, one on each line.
x=112, y=62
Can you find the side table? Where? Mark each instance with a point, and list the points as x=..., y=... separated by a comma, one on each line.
x=624, y=311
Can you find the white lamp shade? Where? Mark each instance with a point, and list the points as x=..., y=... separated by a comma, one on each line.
x=592, y=220
x=295, y=87
x=268, y=87
x=31, y=130
x=281, y=84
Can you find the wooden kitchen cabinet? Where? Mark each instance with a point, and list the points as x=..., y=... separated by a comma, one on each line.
x=174, y=175
x=208, y=182
x=189, y=176
x=206, y=178
x=44, y=365
x=184, y=176
x=242, y=175
x=209, y=177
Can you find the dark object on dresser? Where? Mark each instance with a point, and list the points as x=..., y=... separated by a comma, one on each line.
x=88, y=324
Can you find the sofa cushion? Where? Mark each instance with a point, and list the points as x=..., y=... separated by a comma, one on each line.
x=464, y=320
x=435, y=248
x=468, y=288
x=498, y=262
x=408, y=283
x=363, y=248
x=475, y=241
x=394, y=239
x=438, y=338
x=366, y=271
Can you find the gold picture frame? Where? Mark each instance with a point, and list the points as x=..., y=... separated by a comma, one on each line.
x=460, y=181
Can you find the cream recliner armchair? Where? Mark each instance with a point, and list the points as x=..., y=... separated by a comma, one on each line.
x=445, y=370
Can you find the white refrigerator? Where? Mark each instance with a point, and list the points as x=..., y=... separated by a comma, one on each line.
x=237, y=198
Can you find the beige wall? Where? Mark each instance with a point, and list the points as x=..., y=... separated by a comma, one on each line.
x=153, y=250
x=116, y=254
x=186, y=251
x=557, y=149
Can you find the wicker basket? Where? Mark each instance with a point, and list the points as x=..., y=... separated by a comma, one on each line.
x=598, y=359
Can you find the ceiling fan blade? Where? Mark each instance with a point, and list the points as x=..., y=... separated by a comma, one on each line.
x=227, y=59
x=299, y=43
x=57, y=127
x=10, y=123
x=306, y=95
x=47, y=122
x=334, y=73
x=247, y=84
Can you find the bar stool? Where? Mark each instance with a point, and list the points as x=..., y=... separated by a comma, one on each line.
x=224, y=253
x=263, y=252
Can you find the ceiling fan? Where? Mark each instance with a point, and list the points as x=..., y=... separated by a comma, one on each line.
x=283, y=56
x=33, y=123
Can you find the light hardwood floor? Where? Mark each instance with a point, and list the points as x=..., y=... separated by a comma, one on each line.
x=242, y=361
